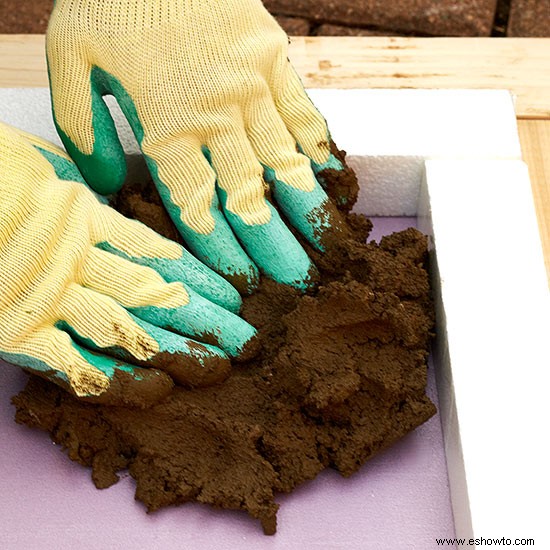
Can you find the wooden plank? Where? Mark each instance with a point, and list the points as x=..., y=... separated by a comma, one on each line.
x=22, y=61
x=535, y=142
x=521, y=65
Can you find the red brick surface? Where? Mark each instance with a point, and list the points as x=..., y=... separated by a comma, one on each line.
x=24, y=16
x=294, y=26
x=529, y=18
x=339, y=30
x=437, y=17
x=355, y=17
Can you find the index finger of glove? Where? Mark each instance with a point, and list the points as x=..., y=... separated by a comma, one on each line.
x=260, y=229
x=138, y=243
x=206, y=322
x=187, y=186
x=295, y=188
x=303, y=120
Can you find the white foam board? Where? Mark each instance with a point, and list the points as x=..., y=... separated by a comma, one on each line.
x=388, y=134
x=493, y=310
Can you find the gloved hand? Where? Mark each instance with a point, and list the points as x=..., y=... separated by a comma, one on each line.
x=86, y=294
x=217, y=110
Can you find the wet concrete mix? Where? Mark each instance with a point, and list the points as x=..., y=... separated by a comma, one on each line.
x=341, y=375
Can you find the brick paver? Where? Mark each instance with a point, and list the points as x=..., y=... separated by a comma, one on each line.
x=437, y=17
x=355, y=17
x=529, y=18
x=294, y=26
x=339, y=30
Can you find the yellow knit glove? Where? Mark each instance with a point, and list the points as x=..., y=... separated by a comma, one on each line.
x=218, y=111
x=85, y=294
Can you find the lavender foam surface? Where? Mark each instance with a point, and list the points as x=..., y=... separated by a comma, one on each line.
x=398, y=500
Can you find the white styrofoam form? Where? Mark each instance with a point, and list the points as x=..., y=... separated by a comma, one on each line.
x=491, y=305
x=387, y=133
x=493, y=310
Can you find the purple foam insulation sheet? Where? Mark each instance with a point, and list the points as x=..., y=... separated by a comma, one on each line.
x=398, y=500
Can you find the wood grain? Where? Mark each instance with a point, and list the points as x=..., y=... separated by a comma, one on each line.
x=535, y=142
x=22, y=61
x=521, y=65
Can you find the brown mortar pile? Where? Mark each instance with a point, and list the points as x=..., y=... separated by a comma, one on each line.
x=341, y=375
